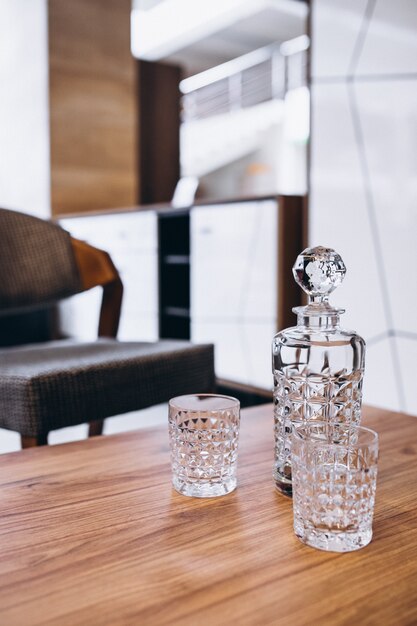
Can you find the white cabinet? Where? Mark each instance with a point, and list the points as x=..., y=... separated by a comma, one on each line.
x=235, y=265
x=234, y=286
x=131, y=241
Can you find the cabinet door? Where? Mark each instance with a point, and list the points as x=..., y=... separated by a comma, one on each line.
x=131, y=241
x=234, y=286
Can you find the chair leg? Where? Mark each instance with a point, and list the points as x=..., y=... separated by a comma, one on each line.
x=32, y=442
x=95, y=428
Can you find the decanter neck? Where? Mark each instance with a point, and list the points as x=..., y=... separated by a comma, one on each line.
x=319, y=315
x=318, y=322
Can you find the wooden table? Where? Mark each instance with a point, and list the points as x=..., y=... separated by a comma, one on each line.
x=92, y=533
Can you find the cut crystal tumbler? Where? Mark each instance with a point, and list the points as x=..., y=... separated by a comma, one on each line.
x=334, y=481
x=204, y=433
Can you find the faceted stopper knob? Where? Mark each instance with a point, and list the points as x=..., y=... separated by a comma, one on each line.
x=319, y=271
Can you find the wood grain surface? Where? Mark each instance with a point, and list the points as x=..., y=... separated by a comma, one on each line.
x=93, y=105
x=92, y=533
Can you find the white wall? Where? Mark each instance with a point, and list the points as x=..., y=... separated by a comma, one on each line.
x=364, y=178
x=24, y=123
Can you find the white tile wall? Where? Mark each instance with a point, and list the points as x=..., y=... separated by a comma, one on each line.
x=338, y=214
x=335, y=29
x=364, y=178
x=388, y=112
x=390, y=46
x=378, y=391
x=407, y=352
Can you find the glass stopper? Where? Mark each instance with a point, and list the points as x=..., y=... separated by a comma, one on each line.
x=319, y=271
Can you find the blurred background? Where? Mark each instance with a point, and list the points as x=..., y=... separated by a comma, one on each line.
x=175, y=134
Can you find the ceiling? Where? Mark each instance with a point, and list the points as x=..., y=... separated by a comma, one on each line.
x=237, y=28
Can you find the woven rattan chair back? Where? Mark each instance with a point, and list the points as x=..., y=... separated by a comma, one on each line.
x=37, y=263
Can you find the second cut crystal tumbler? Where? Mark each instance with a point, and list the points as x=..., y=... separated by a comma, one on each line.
x=204, y=433
x=334, y=482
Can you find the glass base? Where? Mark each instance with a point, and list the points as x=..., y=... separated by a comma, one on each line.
x=204, y=489
x=333, y=541
x=283, y=486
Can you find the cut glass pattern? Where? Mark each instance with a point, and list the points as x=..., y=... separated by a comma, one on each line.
x=204, y=451
x=317, y=366
x=334, y=492
x=303, y=398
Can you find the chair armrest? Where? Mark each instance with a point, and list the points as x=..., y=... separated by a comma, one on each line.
x=96, y=268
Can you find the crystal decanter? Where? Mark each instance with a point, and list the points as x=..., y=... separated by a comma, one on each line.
x=318, y=366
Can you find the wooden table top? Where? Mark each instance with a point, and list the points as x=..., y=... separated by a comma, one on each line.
x=92, y=533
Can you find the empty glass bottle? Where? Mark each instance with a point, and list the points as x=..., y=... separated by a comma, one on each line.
x=318, y=366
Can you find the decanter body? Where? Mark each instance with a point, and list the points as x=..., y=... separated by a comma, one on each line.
x=318, y=366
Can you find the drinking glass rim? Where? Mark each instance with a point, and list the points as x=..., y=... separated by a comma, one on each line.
x=371, y=436
x=233, y=402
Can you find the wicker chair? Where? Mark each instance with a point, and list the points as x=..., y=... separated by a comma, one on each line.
x=62, y=383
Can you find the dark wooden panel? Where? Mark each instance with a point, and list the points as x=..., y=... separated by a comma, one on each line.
x=290, y=244
x=159, y=123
